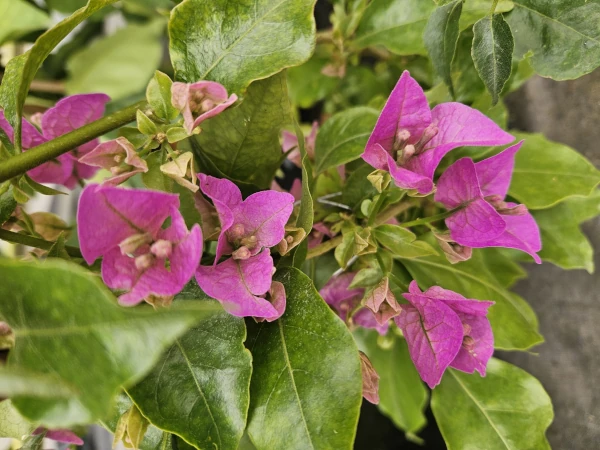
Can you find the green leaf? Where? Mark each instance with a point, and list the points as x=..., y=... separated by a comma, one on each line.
x=492, y=51
x=513, y=321
x=68, y=325
x=18, y=382
x=441, y=36
x=154, y=439
x=343, y=137
x=395, y=25
x=158, y=95
x=563, y=242
x=402, y=242
x=243, y=142
x=209, y=368
x=358, y=188
x=17, y=18
x=306, y=213
x=508, y=409
x=12, y=424
x=563, y=37
x=473, y=10
x=504, y=268
x=498, y=112
x=21, y=70
x=7, y=205
x=547, y=172
x=145, y=124
x=307, y=84
x=306, y=387
x=403, y=396
x=236, y=44
x=118, y=70
x=154, y=178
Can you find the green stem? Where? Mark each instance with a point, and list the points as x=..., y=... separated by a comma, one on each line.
x=494, y=4
x=426, y=220
x=47, y=151
x=376, y=208
x=30, y=241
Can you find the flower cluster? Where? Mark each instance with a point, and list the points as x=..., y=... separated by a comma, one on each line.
x=67, y=115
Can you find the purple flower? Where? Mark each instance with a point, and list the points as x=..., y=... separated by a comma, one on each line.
x=125, y=227
x=65, y=436
x=119, y=157
x=443, y=328
x=342, y=299
x=484, y=218
x=244, y=283
x=247, y=225
x=410, y=140
x=199, y=101
x=67, y=115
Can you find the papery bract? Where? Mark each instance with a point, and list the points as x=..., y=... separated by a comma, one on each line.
x=139, y=255
x=382, y=302
x=290, y=142
x=199, y=101
x=241, y=285
x=119, y=157
x=443, y=328
x=370, y=379
x=485, y=219
x=409, y=140
x=67, y=115
x=64, y=436
x=338, y=294
x=254, y=223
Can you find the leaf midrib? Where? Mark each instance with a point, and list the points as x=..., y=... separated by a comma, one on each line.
x=293, y=381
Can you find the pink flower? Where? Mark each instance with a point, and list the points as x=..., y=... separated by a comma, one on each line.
x=67, y=115
x=125, y=227
x=244, y=283
x=118, y=156
x=199, y=101
x=65, y=436
x=484, y=218
x=338, y=294
x=410, y=140
x=443, y=328
x=290, y=142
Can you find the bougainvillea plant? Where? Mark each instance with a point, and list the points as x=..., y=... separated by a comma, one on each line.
x=276, y=221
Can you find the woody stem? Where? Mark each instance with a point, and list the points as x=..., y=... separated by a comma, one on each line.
x=30, y=241
x=47, y=151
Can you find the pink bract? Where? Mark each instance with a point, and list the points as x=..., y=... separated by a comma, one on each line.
x=409, y=140
x=443, y=328
x=67, y=115
x=125, y=226
x=118, y=156
x=200, y=101
x=59, y=435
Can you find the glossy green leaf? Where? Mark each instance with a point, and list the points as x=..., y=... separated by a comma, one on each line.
x=238, y=43
x=306, y=387
x=402, y=242
x=395, y=25
x=473, y=10
x=17, y=18
x=402, y=395
x=563, y=36
x=343, y=137
x=513, y=321
x=243, y=142
x=441, y=36
x=563, y=243
x=507, y=410
x=199, y=389
x=12, y=424
x=68, y=325
x=7, y=205
x=504, y=268
x=492, y=51
x=547, y=172
x=306, y=212
x=358, y=187
x=118, y=65
x=158, y=95
x=21, y=70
